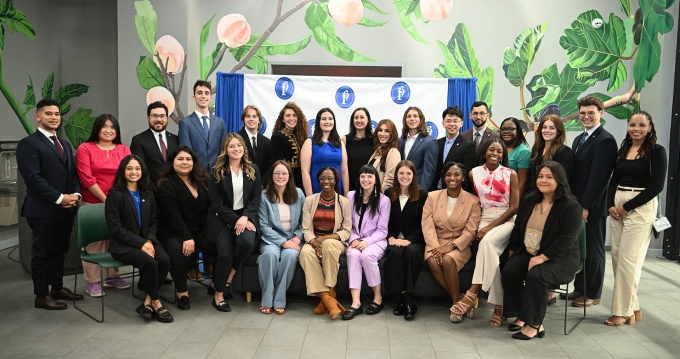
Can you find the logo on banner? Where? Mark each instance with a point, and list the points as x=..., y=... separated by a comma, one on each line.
x=263, y=129
x=310, y=124
x=344, y=97
x=375, y=126
x=400, y=92
x=432, y=129
x=284, y=88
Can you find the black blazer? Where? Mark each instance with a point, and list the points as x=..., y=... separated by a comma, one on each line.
x=145, y=146
x=564, y=156
x=462, y=151
x=121, y=218
x=263, y=157
x=221, y=194
x=407, y=220
x=180, y=215
x=593, y=165
x=47, y=175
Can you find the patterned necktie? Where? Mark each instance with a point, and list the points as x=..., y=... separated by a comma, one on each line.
x=584, y=136
x=477, y=138
x=57, y=145
x=164, y=150
x=206, y=129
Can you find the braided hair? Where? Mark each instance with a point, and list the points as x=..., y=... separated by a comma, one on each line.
x=648, y=144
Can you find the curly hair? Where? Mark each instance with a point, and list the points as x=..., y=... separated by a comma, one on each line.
x=539, y=142
x=301, y=131
x=504, y=160
x=336, y=188
x=384, y=148
x=648, y=144
x=222, y=163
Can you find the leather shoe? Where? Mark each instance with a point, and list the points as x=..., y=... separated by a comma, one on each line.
x=512, y=327
x=571, y=296
x=410, y=311
x=145, y=311
x=585, y=302
x=552, y=300
x=374, y=308
x=221, y=306
x=399, y=310
x=163, y=315
x=352, y=312
x=183, y=303
x=65, y=294
x=49, y=303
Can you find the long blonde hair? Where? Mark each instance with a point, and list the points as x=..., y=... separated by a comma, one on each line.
x=222, y=163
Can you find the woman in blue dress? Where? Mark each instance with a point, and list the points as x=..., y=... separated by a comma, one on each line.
x=324, y=149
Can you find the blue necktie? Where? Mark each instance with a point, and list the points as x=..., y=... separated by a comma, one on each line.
x=206, y=129
x=582, y=140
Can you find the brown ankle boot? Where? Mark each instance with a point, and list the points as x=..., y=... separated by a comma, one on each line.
x=335, y=309
x=321, y=307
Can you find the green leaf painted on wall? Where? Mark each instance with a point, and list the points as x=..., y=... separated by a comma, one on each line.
x=29, y=98
x=317, y=19
x=204, y=66
x=485, y=86
x=209, y=60
x=64, y=109
x=626, y=7
x=370, y=6
x=518, y=58
x=146, y=23
x=259, y=62
x=406, y=21
x=48, y=86
x=574, y=125
x=79, y=126
x=148, y=73
x=70, y=91
x=655, y=21
x=16, y=22
x=370, y=23
x=553, y=87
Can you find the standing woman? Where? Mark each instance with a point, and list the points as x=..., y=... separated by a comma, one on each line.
x=326, y=225
x=359, y=143
x=450, y=221
x=386, y=155
x=367, y=243
x=289, y=133
x=131, y=217
x=417, y=146
x=406, y=245
x=518, y=151
x=322, y=150
x=183, y=204
x=281, y=226
x=498, y=191
x=234, y=190
x=549, y=146
x=97, y=161
x=638, y=179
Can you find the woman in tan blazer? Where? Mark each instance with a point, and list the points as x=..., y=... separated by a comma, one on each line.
x=386, y=155
x=326, y=226
x=450, y=220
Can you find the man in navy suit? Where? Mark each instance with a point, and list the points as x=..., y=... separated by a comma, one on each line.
x=595, y=152
x=47, y=166
x=480, y=133
x=154, y=144
x=257, y=144
x=201, y=131
x=453, y=147
x=417, y=146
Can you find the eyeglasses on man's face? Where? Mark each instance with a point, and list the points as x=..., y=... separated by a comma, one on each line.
x=157, y=116
x=476, y=114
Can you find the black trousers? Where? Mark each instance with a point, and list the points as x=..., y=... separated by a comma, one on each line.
x=402, y=267
x=179, y=263
x=232, y=252
x=152, y=270
x=51, y=239
x=595, y=259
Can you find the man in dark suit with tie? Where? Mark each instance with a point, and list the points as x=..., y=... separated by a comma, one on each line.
x=154, y=144
x=480, y=134
x=201, y=131
x=258, y=145
x=595, y=156
x=453, y=147
x=47, y=166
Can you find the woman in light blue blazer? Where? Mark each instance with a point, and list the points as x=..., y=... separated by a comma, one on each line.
x=281, y=226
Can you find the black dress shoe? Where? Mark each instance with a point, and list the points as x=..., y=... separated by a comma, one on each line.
x=512, y=327
x=65, y=294
x=410, y=311
x=374, y=308
x=571, y=296
x=221, y=306
x=552, y=300
x=163, y=315
x=522, y=336
x=49, y=303
x=352, y=312
x=145, y=311
x=183, y=303
x=399, y=310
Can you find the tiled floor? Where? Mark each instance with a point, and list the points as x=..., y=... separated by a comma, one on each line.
x=202, y=332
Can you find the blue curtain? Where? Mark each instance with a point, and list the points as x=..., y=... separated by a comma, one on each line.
x=229, y=100
x=463, y=93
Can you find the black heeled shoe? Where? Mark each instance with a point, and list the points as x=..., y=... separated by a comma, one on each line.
x=512, y=327
x=410, y=311
x=183, y=303
x=521, y=336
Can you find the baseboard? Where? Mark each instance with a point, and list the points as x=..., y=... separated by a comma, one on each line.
x=10, y=242
x=655, y=252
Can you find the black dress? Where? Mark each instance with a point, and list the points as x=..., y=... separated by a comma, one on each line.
x=359, y=151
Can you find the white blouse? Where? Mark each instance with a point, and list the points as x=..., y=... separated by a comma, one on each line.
x=237, y=184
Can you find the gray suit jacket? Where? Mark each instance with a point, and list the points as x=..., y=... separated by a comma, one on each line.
x=270, y=220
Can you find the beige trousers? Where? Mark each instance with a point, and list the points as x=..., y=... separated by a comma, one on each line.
x=630, y=238
x=321, y=276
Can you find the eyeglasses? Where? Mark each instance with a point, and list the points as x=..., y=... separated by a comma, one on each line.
x=475, y=114
x=326, y=179
x=156, y=116
x=508, y=129
x=589, y=113
x=280, y=174
x=448, y=122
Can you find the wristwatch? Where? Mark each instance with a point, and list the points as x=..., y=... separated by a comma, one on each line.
x=453, y=245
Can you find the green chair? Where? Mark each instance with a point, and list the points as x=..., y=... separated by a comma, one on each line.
x=92, y=228
x=582, y=267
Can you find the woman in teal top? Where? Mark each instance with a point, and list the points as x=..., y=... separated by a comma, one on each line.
x=518, y=150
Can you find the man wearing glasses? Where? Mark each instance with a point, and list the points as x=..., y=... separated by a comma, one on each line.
x=480, y=134
x=454, y=148
x=594, y=159
x=154, y=144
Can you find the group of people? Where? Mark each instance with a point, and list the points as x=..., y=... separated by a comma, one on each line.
x=368, y=195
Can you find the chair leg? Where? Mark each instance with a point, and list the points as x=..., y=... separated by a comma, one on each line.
x=75, y=305
x=249, y=297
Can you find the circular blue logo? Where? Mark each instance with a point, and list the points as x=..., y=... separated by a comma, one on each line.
x=284, y=88
x=311, y=123
x=400, y=92
x=432, y=129
x=263, y=129
x=374, y=126
x=344, y=97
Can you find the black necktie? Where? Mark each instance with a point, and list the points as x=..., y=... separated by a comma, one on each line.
x=254, y=147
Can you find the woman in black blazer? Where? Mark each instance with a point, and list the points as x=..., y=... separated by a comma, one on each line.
x=549, y=146
x=234, y=189
x=183, y=203
x=131, y=218
x=544, y=250
x=406, y=247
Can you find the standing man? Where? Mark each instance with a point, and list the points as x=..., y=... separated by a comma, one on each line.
x=154, y=144
x=454, y=148
x=595, y=156
x=47, y=166
x=417, y=146
x=480, y=134
x=258, y=145
x=200, y=131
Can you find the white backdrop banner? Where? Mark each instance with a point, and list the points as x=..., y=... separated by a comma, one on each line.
x=385, y=98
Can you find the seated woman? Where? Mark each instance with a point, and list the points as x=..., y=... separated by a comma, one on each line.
x=234, y=190
x=498, y=189
x=450, y=221
x=183, y=203
x=326, y=225
x=406, y=245
x=386, y=155
x=131, y=218
x=281, y=227
x=544, y=250
x=367, y=243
